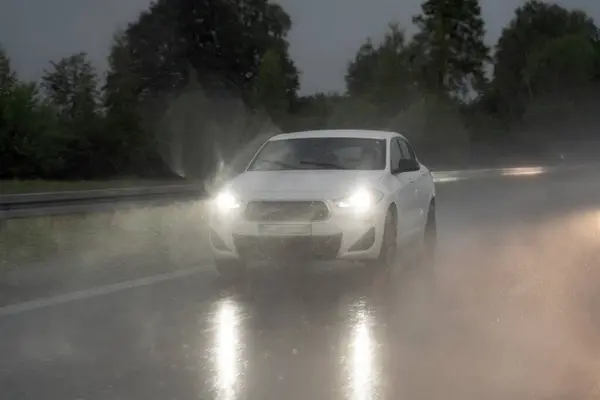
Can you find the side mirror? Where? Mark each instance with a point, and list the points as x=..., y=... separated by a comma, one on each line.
x=406, y=165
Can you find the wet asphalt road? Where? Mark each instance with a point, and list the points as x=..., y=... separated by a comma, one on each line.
x=510, y=311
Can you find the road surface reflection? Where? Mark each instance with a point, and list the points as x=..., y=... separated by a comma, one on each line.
x=228, y=348
x=523, y=171
x=325, y=328
x=362, y=360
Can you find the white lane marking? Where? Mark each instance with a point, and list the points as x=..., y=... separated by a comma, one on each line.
x=19, y=308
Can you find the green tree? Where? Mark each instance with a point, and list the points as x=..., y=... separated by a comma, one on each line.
x=449, y=48
x=361, y=70
x=310, y=112
x=71, y=85
x=436, y=129
x=29, y=137
x=7, y=75
x=382, y=74
x=271, y=89
x=394, y=87
x=561, y=64
x=597, y=67
x=223, y=41
x=219, y=45
x=536, y=44
x=350, y=112
x=128, y=147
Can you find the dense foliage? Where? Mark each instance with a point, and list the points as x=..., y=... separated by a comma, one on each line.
x=191, y=82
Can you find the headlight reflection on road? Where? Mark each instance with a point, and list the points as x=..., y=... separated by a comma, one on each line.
x=444, y=179
x=227, y=350
x=361, y=367
x=523, y=171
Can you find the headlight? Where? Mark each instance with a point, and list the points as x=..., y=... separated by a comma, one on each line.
x=225, y=202
x=361, y=200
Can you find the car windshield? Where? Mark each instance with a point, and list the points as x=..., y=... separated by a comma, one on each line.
x=321, y=153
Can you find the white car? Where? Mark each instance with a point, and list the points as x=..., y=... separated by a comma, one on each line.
x=324, y=195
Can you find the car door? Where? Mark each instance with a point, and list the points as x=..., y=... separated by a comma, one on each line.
x=404, y=194
x=420, y=180
x=416, y=217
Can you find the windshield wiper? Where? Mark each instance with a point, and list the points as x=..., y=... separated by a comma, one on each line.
x=322, y=164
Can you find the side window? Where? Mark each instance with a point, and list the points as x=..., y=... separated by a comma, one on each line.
x=406, y=150
x=413, y=155
x=395, y=154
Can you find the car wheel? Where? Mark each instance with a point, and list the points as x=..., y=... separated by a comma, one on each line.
x=430, y=239
x=230, y=269
x=388, y=252
x=428, y=246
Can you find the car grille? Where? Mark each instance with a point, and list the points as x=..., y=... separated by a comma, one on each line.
x=286, y=248
x=302, y=211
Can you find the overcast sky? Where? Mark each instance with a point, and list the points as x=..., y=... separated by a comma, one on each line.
x=324, y=37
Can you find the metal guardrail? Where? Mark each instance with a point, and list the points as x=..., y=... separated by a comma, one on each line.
x=81, y=201
x=85, y=201
x=25, y=198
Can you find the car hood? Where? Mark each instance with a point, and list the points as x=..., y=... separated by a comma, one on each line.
x=314, y=184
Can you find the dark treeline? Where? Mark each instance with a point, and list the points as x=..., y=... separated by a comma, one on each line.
x=190, y=83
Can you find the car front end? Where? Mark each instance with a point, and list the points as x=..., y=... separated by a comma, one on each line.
x=294, y=225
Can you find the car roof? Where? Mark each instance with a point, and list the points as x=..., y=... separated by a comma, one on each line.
x=337, y=133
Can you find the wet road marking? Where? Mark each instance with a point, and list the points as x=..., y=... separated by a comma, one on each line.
x=19, y=308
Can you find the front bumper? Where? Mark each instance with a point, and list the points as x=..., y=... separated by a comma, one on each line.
x=344, y=235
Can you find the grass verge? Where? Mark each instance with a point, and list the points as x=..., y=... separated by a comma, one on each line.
x=177, y=232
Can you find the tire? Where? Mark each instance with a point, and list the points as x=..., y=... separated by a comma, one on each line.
x=230, y=269
x=427, y=249
x=430, y=234
x=389, y=251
